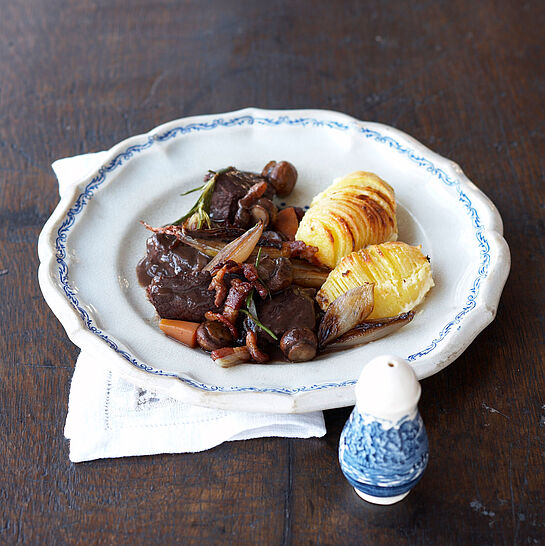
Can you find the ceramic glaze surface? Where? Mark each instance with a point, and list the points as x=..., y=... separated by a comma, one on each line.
x=383, y=462
x=387, y=389
x=90, y=246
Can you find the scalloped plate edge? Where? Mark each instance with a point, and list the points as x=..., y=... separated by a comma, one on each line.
x=324, y=397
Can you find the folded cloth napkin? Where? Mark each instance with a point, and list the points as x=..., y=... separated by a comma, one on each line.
x=110, y=417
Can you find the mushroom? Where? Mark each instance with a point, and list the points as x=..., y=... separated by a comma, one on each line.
x=243, y=218
x=265, y=210
x=213, y=335
x=282, y=176
x=299, y=344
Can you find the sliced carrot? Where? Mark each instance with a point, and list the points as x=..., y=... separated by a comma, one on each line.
x=287, y=222
x=183, y=331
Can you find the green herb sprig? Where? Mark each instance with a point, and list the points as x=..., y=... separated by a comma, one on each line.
x=258, y=323
x=258, y=257
x=250, y=304
x=201, y=208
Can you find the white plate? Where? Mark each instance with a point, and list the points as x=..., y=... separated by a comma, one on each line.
x=90, y=246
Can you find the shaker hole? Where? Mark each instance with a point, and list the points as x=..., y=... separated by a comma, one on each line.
x=391, y=365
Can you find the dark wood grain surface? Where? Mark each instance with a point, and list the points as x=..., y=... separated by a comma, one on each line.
x=465, y=78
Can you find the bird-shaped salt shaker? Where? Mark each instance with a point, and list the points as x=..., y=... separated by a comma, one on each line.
x=383, y=448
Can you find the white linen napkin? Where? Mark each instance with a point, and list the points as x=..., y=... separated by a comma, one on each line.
x=110, y=417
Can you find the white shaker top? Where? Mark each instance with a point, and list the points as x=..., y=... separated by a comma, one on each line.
x=387, y=389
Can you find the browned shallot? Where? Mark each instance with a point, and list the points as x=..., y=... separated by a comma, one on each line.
x=231, y=356
x=348, y=310
x=238, y=250
x=371, y=331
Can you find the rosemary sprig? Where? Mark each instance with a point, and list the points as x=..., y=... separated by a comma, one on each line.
x=259, y=324
x=252, y=311
x=193, y=190
x=250, y=298
x=201, y=208
x=258, y=257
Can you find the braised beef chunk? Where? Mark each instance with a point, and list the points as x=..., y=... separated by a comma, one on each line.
x=241, y=302
x=223, y=233
x=272, y=238
x=291, y=308
x=276, y=273
x=167, y=256
x=231, y=186
x=182, y=297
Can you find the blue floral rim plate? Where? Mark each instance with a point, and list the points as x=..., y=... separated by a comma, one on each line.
x=90, y=246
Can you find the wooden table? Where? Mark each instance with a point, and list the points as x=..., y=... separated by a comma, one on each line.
x=465, y=78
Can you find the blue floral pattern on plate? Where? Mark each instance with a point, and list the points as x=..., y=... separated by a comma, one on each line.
x=221, y=122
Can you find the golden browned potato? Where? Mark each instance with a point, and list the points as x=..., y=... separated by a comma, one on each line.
x=355, y=211
x=400, y=272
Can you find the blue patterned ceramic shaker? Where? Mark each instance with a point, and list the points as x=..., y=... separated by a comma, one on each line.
x=383, y=448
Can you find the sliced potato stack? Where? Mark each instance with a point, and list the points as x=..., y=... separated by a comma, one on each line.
x=355, y=211
x=400, y=272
